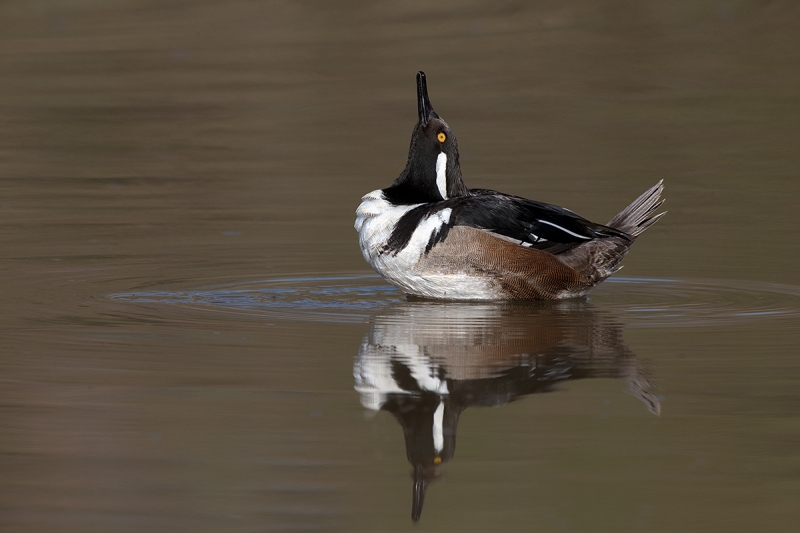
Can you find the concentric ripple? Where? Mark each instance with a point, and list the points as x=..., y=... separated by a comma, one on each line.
x=334, y=298
x=682, y=303
x=639, y=302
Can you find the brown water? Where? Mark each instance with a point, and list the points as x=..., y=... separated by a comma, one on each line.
x=191, y=340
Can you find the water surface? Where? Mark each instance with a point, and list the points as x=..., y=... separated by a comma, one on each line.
x=192, y=341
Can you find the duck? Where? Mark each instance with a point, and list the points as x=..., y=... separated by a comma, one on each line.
x=432, y=237
x=427, y=362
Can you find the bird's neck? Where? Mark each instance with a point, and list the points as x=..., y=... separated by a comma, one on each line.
x=417, y=184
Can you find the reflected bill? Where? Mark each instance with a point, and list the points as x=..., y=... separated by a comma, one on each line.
x=426, y=362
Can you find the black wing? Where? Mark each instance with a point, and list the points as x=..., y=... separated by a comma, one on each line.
x=534, y=224
x=529, y=223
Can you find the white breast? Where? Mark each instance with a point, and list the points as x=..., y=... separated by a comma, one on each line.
x=374, y=377
x=376, y=218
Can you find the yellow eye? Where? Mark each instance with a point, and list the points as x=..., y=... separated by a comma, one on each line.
x=441, y=137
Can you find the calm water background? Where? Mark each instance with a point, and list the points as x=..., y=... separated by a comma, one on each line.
x=169, y=147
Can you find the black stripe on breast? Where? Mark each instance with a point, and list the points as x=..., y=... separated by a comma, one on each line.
x=403, y=377
x=408, y=223
x=437, y=236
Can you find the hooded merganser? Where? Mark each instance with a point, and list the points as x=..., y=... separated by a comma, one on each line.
x=427, y=362
x=431, y=236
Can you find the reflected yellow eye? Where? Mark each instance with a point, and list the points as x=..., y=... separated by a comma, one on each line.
x=438, y=460
x=441, y=137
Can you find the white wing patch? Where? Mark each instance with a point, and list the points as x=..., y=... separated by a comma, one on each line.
x=441, y=174
x=564, y=230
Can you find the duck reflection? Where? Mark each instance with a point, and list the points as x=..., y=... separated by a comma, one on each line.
x=425, y=362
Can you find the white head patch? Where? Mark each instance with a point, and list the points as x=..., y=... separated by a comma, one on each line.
x=438, y=427
x=441, y=174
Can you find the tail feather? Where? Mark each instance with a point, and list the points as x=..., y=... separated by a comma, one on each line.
x=599, y=258
x=639, y=216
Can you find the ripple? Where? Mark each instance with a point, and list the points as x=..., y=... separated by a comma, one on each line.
x=332, y=298
x=636, y=302
x=682, y=303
